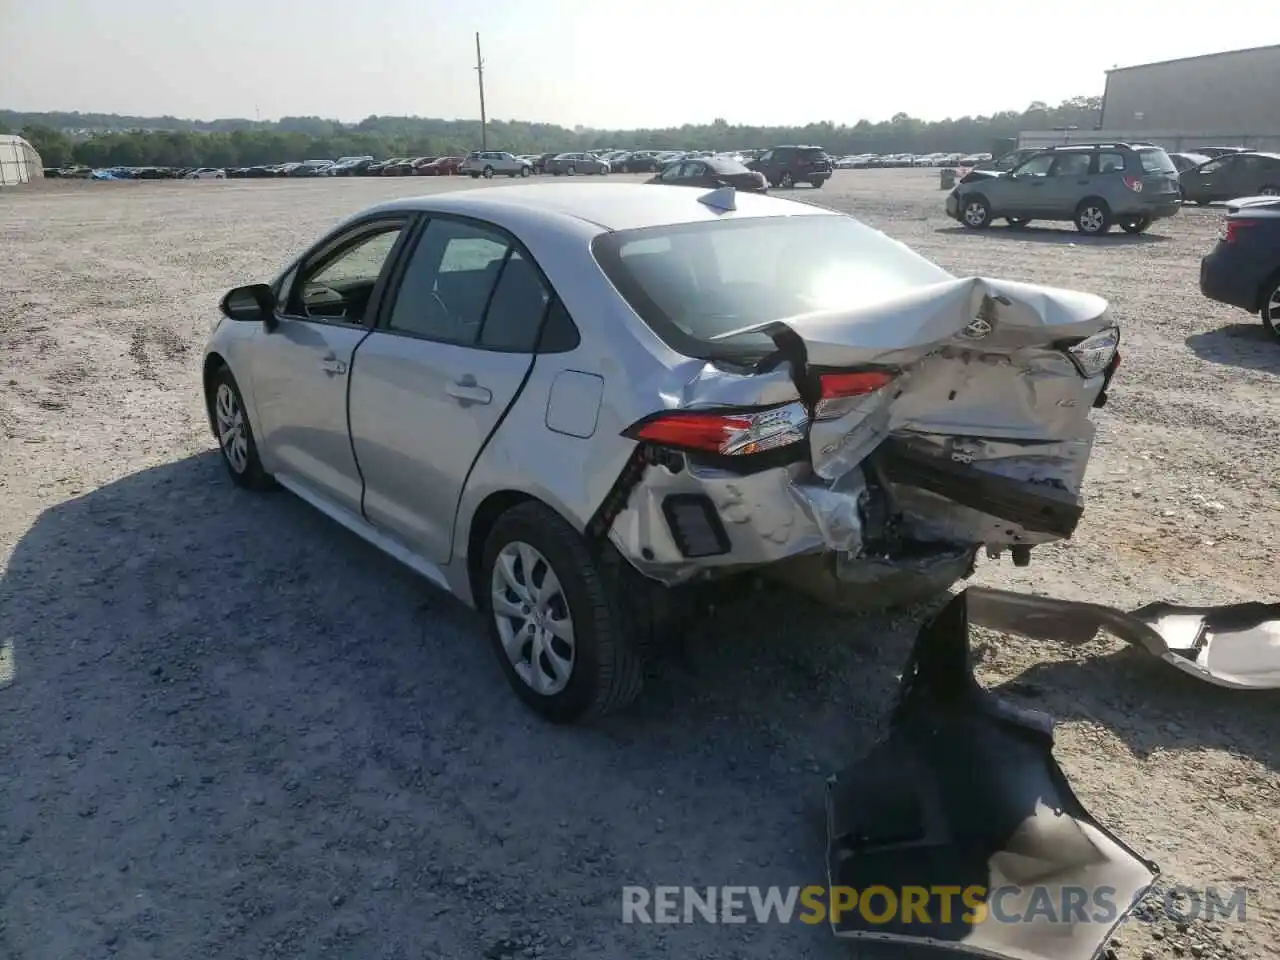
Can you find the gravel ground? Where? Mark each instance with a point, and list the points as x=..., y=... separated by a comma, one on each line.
x=230, y=729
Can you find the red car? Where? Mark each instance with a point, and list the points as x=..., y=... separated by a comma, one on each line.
x=439, y=167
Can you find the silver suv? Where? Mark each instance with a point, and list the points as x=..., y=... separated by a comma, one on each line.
x=1093, y=185
x=491, y=163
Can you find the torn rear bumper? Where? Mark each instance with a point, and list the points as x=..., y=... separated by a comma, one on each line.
x=1236, y=645
x=963, y=811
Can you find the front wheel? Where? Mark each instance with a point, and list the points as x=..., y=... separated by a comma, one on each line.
x=1139, y=225
x=1271, y=309
x=787, y=181
x=235, y=434
x=977, y=212
x=572, y=170
x=555, y=620
x=487, y=172
x=817, y=184
x=525, y=171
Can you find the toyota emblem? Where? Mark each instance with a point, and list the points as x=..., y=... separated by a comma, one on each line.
x=978, y=328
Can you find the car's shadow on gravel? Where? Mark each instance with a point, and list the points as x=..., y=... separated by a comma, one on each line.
x=1064, y=236
x=1245, y=345
x=1152, y=706
x=245, y=725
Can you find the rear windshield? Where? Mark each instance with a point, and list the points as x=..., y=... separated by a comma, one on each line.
x=693, y=282
x=812, y=153
x=1155, y=160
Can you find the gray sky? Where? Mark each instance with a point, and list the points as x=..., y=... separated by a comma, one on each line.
x=605, y=64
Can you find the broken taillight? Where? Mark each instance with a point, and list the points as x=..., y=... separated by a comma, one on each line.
x=838, y=392
x=735, y=432
x=1094, y=354
x=1134, y=184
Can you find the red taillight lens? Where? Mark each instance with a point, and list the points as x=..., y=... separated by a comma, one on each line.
x=838, y=390
x=736, y=433
x=1232, y=233
x=1134, y=184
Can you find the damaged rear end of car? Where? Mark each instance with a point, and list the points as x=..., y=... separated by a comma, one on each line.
x=852, y=419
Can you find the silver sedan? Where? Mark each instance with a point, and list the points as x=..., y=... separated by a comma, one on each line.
x=575, y=406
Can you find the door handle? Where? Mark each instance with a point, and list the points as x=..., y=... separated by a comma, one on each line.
x=332, y=366
x=466, y=391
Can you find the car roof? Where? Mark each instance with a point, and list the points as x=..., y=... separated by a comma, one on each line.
x=609, y=206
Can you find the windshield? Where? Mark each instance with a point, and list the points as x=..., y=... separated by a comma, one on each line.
x=693, y=282
x=1155, y=160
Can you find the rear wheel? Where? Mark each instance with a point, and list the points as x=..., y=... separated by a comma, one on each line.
x=487, y=172
x=1093, y=217
x=787, y=181
x=977, y=212
x=571, y=170
x=1271, y=308
x=1136, y=226
x=525, y=171
x=557, y=621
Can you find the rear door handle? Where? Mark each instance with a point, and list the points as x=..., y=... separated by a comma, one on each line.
x=466, y=391
x=333, y=366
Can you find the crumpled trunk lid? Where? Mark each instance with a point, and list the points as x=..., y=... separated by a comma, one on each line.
x=983, y=434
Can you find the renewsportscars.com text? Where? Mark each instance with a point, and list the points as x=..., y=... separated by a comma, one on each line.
x=921, y=905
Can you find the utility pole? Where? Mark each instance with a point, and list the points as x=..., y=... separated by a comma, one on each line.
x=484, y=135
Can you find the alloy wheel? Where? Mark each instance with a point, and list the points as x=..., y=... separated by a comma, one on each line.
x=975, y=214
x=1092, y=219
x=231, y=431
x=532, y=615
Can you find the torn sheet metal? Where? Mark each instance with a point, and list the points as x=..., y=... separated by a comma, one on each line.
x=982, y=438
x=1235, y=645
x=964, y=800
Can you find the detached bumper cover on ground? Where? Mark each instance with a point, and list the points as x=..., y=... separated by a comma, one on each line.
x=965, y=795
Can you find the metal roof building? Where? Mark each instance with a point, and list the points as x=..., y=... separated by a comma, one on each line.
x=19, y=162
x=1236, y=93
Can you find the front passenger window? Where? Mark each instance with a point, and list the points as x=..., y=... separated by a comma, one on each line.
x=1036, y=166
x=339, y=287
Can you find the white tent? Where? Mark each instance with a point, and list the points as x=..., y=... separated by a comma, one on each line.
x=19, y=162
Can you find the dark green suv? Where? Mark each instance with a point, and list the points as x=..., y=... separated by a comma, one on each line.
x=1093, y=185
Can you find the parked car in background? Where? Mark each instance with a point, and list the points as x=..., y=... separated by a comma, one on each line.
x=1233, y=175
x=1095, y=186
x=1188, y=161
x=206, y=173
x=588, y=483
x=1009, y=160
x=1243, y=269
x=712, y=172
x=1214, y=152
x=572, y=164
x=787, y=166
x=439, y=167
x=641, y=161
x=494, y=163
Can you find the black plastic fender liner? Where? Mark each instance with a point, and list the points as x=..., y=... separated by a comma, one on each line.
x=963, y=808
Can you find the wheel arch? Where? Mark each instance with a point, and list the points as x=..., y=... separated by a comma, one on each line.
x=1265, y=287
x=213, y=362
x=482, y=520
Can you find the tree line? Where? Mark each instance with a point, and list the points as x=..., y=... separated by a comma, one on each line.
x=110, y=140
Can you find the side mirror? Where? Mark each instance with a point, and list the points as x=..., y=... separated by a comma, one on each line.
x=255, y=303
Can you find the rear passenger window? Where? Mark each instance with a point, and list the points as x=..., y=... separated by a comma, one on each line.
x=1111, y=162
x=516, y=309
x=1072, y=165
x=447, y=282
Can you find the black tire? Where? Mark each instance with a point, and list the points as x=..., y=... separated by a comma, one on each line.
x=487, y=173
x=786, y=181
x=607, y=672
x=571, y=170
x=1017, y=223
x=1136, y=226
x=1093, y=217
x=1271, y=315
x=525, y=171
x=817, y=184
x=251, y=476
x=975, y=211
x=475, y=176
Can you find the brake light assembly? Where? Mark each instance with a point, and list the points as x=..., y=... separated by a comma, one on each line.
x=1134, y=184
x=1095, y=355
x=1231, y=232
x=745, y=431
